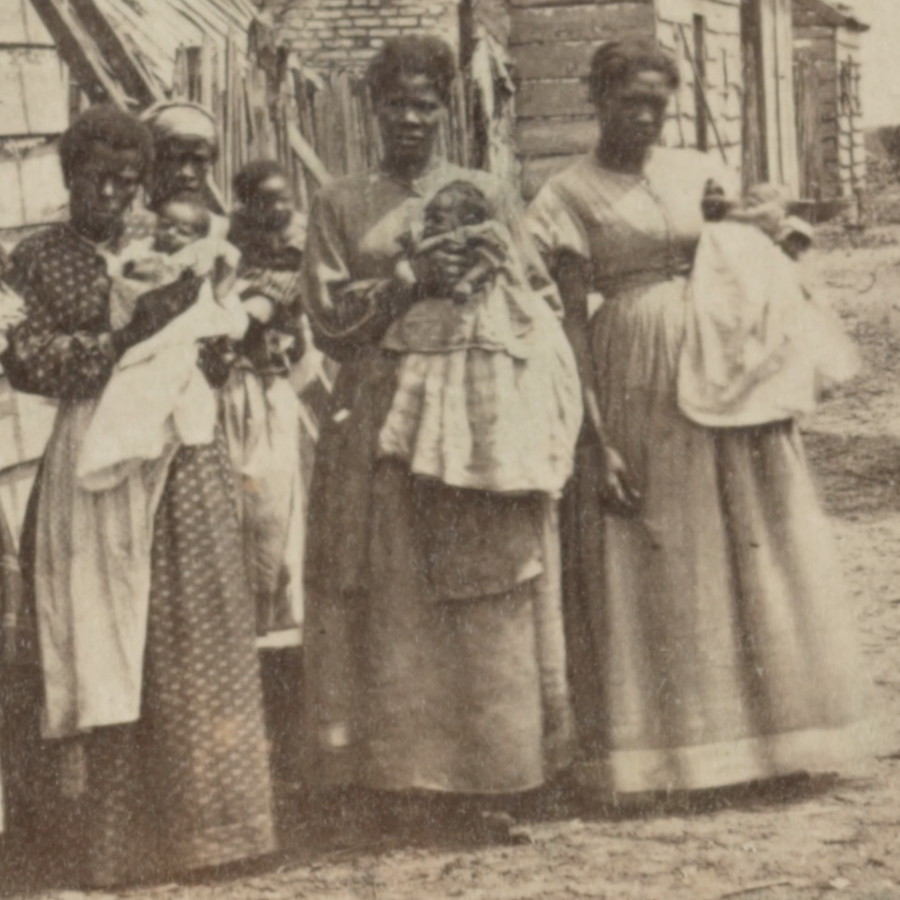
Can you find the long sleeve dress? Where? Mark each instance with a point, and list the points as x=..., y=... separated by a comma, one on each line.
x=153, y=754
x=710, y=640
x=434, y=643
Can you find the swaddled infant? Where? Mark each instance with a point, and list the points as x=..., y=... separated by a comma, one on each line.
x=179, y=248
x=157, y=398
x=757, y=348
x=485, y=395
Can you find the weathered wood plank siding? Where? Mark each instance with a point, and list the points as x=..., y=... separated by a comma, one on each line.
x=721, y=68
x=815, y=61
x=551, y=43
x=851, y=137
x=827, y=51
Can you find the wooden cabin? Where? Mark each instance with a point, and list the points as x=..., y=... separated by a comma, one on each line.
x=34, y=110
x=827, y=76
x=736, y=96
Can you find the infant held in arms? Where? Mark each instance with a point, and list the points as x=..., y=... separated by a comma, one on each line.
x=758, y=348
x=487, y=394
x=157, y=398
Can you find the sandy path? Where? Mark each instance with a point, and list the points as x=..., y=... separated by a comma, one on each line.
x=837, y=840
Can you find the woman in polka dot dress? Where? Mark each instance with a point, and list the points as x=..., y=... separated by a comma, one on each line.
x=152, y=756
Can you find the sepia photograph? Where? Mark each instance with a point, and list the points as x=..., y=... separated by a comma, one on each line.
x=449, y=449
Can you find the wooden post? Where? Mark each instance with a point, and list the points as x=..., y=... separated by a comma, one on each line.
x=305, y=153
x=81, y=54
x=116, y=53
x=777, y=68
x=698, y=82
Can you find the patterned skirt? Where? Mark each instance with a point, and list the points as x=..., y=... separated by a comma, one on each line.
x=188, y=785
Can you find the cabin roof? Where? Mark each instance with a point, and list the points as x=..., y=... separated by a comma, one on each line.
x=156, y=29
x=833, y=14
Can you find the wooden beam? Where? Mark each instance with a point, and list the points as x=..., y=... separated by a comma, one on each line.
x=305, y=153
x=556, y=137
x=700, y=87
x=80, y=53
x=546, y=99
x=584, y=22
x=217, y=195
x=530, y=3
x=129, y=72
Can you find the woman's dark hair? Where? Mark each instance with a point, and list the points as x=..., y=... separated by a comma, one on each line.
x=117, y=129
x=413, y=54
x=616, y=62
x=252, y=175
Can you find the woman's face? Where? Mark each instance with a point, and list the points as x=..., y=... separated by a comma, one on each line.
x=182, y=165
x=409, y=114
x=632, y=115
x=271, y=205
x=102, y=188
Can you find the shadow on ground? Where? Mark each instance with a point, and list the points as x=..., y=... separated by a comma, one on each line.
x=344, y=826
x=859, y=475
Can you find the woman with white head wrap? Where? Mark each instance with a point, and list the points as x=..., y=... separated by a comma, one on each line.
x=186, y=147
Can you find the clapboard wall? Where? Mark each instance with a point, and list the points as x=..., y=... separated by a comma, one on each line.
x=829, y=114
x=816, y=86
x=851, y=136
x=705, y=36
x=552, y=41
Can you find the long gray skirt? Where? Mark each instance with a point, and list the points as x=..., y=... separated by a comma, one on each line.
x=712, y=641
x=433, y=633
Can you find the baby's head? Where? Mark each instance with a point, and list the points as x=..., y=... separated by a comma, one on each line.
x=455, y=205
x=765, y=194
x=180, y=221
x=764, y=206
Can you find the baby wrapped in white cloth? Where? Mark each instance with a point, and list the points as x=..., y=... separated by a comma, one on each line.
x=157, y=398
x=757, y=348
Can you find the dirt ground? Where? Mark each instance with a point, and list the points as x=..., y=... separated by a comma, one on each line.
x=835, y=838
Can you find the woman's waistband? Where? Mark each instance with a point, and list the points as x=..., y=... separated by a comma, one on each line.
x=629, y=281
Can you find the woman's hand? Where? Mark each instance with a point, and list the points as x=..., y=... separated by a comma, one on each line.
x=621, y=497
x=260, y=308
x=153, y=311
x=440, y=268
x=715, y=205
x=150, y=269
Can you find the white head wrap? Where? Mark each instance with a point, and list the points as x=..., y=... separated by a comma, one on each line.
x=181, y=119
